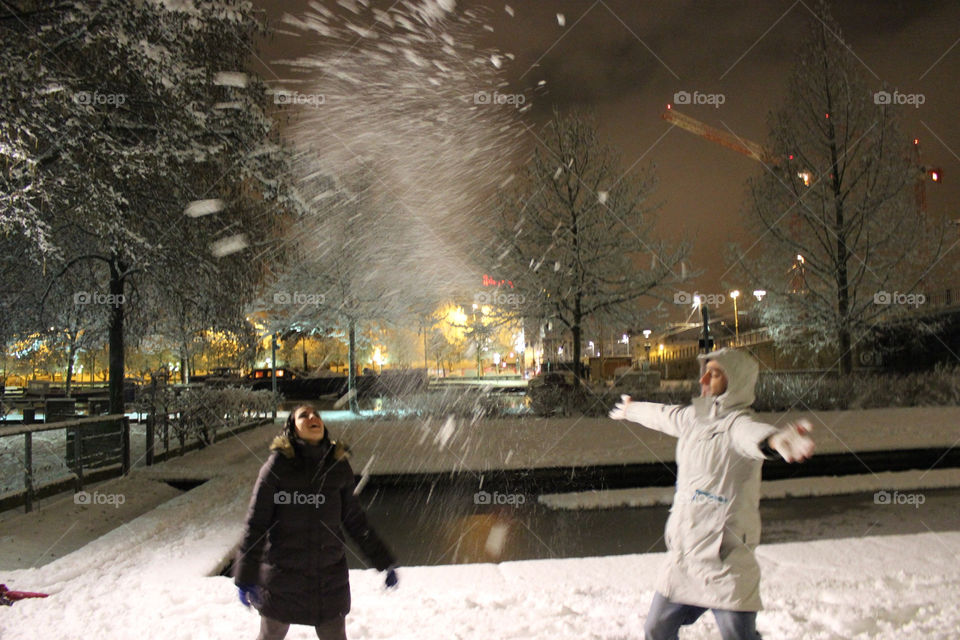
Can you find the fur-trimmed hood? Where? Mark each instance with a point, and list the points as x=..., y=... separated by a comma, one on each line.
x=285, y=447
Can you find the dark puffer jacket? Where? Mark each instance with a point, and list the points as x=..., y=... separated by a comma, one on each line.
x=293, y=545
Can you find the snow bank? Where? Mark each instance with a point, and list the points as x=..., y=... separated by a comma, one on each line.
x=410, y=446
x=139, y=585
x=157, y=576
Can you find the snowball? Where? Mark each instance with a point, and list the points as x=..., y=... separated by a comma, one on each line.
x=199, y=208
x=230, y=79
x=229, y=245
x=497, y=539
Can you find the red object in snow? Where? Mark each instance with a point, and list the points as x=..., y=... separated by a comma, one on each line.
x=8, y=597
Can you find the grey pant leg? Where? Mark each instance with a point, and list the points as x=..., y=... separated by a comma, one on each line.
x=335, y=629
x=737, y=625
x=271, y=629
x=665, y=618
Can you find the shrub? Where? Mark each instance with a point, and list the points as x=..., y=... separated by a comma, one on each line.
x=824, y=392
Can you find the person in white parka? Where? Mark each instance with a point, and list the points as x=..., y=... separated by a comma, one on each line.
x=714, y=523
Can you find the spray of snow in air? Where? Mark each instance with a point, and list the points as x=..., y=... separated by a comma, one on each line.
x=402, y=98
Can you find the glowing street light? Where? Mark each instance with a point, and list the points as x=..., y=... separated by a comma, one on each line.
x=736, y=316
x=758, y=294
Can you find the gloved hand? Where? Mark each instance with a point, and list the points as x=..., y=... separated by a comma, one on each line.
x=792, y=441
x=250, y=595
x=619, y=411
x=392, y=579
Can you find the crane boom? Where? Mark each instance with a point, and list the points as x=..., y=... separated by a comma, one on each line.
x=740, y=145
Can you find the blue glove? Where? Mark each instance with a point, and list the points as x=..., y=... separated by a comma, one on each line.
x=250, y=595
x=392, y=579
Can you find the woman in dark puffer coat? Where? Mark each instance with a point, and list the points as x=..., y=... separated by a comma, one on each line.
x=292, y=563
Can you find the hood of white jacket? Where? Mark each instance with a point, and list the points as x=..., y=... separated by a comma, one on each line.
x=741, y=370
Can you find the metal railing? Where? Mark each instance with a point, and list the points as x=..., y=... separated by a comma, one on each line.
x=97, y=442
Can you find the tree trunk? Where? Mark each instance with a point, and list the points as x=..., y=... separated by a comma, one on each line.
x=115, y=329
x=576, y=331
x=71, y=354
x=846, y=352
x=842, y=255
x=352, y=373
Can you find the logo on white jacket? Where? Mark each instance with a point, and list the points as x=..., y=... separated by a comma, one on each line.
x=701, y=497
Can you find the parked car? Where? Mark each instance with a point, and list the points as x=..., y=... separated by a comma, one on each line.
x=260, y=374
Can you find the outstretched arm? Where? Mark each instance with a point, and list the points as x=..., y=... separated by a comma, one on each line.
x=793, y=442
x=762, y=441
x=668, y=419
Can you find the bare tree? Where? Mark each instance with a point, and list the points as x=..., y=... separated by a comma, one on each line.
x=837, y=232
x=575, y=234
x=115, y=116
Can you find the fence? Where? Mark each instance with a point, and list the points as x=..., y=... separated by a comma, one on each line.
x=61, y=456
x=100, y=445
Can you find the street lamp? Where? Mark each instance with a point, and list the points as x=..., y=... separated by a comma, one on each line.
x=736, y=316
x=758, y=294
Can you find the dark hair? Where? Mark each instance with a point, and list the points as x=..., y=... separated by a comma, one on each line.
x=290, y=426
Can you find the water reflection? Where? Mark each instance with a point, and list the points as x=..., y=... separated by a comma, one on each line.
x=429, y=525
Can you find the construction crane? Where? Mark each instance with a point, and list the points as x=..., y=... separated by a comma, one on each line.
x=757, y=152
x=740, y=145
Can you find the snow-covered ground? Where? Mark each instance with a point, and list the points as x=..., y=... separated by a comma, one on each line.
x=156, y=575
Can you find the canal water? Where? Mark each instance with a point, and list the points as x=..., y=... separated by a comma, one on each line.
x=446, y=525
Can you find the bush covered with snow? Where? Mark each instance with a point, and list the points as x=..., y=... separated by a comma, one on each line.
x=459, y=402
x=784, y=391
x=199, y=412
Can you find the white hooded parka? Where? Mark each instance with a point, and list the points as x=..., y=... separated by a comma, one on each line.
x=714, y=523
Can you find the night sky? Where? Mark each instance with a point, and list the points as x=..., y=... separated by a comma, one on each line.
x=625, y=59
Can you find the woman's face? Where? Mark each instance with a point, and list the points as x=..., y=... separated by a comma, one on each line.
x=309, y=425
